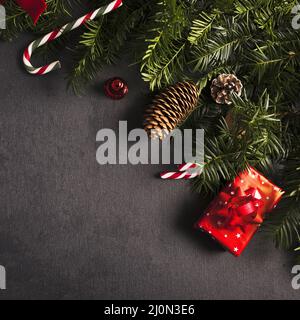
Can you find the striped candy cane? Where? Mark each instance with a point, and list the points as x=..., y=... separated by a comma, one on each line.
x=182, y=173
x=57, y=33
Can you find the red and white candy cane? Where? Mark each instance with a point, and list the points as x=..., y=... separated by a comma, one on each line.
x=183, y=172
x=59, y=32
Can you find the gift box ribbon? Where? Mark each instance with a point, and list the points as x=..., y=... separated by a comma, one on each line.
x=33, y=7
x=238, y=208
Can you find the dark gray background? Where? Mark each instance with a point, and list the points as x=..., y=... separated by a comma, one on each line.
x=72, y=229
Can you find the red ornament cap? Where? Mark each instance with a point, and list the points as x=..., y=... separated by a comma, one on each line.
x=116, y=88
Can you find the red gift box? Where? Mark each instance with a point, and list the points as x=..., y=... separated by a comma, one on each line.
x=238, y=211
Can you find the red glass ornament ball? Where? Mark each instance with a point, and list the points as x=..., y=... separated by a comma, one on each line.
x=116, y=88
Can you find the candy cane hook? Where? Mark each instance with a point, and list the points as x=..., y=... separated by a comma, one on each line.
x=59, y=32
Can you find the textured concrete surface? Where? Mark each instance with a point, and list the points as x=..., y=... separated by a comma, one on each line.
x=72, y=229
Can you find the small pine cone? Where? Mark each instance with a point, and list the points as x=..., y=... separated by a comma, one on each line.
x=170, y=109
x=224, y=86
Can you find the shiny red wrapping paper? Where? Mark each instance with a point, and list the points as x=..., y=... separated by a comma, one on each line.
x=237, y=212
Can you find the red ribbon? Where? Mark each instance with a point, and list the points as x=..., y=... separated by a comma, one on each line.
x=238, y=208
x=33, y=7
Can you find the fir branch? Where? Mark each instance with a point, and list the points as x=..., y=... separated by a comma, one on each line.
x=201, y=27
x=222, y=47
x=292, y=176
x=165, y=57
x=284, y=226
x=86, y=67
x=98, y=47
x=253, y=137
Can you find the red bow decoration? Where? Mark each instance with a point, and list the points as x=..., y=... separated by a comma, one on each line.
x=238, y=208
x=33, y=7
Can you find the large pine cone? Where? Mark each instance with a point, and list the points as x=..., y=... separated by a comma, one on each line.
x=170, y=109
x=224, y=86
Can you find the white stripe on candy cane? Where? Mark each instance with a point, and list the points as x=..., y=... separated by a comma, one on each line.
x=182, y=173
x=187, y=166
x=110, y=7
x=94, y=14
